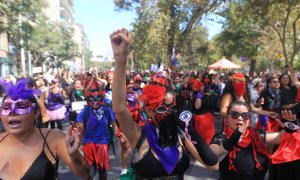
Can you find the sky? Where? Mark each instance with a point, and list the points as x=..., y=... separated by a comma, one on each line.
x=100, y=19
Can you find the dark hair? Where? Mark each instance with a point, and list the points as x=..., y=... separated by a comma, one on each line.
x=168, y=132
x=290, y=80
x=269, y=80
x=238, y=103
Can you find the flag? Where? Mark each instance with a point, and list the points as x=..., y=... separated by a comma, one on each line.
x=173, y=57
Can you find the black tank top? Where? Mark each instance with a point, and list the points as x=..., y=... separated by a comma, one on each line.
x=42, y=168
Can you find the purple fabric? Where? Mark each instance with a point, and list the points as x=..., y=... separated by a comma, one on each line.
x=53, y=106
x=55, y=101
x=19, y=90
x=264, y=120
x=168, y=156
x=37, y=92
x=131, y=99
x=93, y=119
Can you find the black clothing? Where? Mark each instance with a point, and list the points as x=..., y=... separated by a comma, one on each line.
x=288, y=96
x=150, y=167
x=206, y=105
x=270, y=102
x=283, y=171
x=108, y=87
x=244, y=163
x=42, y=168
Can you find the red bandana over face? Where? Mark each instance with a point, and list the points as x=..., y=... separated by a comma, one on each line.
x=239, y=84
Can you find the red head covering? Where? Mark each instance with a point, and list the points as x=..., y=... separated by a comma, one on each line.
x=197, y=85
x=239, y=84
x=153, y=96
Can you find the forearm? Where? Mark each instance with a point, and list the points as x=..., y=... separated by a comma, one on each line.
x=204, y=151
x=79, y=166
x=103, y=81
x=119, y=86
x=259, y=111
x=89, y=85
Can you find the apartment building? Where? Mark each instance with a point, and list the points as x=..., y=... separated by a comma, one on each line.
x=62, y=11
x=6, y=63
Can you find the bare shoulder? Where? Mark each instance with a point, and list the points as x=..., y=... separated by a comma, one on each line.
x=54, y=135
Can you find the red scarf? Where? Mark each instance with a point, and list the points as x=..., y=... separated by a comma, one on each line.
x=249, y=137
x=289, y=148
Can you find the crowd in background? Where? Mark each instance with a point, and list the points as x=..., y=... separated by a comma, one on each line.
x=64, y=94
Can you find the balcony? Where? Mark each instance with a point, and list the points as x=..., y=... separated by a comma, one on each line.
x=67, y=6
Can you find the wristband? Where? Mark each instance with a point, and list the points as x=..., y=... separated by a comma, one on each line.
x=233, y=140
x=290, y=126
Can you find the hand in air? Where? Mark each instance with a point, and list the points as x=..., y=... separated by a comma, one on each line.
x=73, y=138
x=120, y=43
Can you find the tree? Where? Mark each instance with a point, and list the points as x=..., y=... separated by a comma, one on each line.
x=276, y=17
x=11, y=9
x=50, y=43
x=88, y=54
x=177, y=19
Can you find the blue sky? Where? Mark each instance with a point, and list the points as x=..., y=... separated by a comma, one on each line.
x=99, y=19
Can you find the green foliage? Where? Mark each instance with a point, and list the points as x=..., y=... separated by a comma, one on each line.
x=88, y=54
x=277, y=22
x=163, y=25
x=11, y=9
x=50, y=43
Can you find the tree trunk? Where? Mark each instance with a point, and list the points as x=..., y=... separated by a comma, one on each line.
x=171, y=32
x=252, y=67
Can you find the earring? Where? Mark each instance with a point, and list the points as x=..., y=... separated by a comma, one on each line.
x=226, y=123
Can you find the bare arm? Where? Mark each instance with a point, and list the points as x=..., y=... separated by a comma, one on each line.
x=293, y=77
x=226, y=100
x=120, y=43
x=263, y=112
x=63, y=94
x=138, y=99
x=273, y=138
x=74, y=160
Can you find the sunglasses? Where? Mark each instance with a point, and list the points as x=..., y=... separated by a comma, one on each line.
x=17, y=107
x=236, y=115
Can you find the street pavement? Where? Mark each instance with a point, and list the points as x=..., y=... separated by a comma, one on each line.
x=196, y=170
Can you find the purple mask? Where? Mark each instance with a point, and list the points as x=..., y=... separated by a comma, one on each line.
x=18, y=107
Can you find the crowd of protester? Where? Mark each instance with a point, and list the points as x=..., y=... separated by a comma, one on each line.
x=155, y=116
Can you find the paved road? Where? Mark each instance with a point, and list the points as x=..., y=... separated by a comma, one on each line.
x=196, y=170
